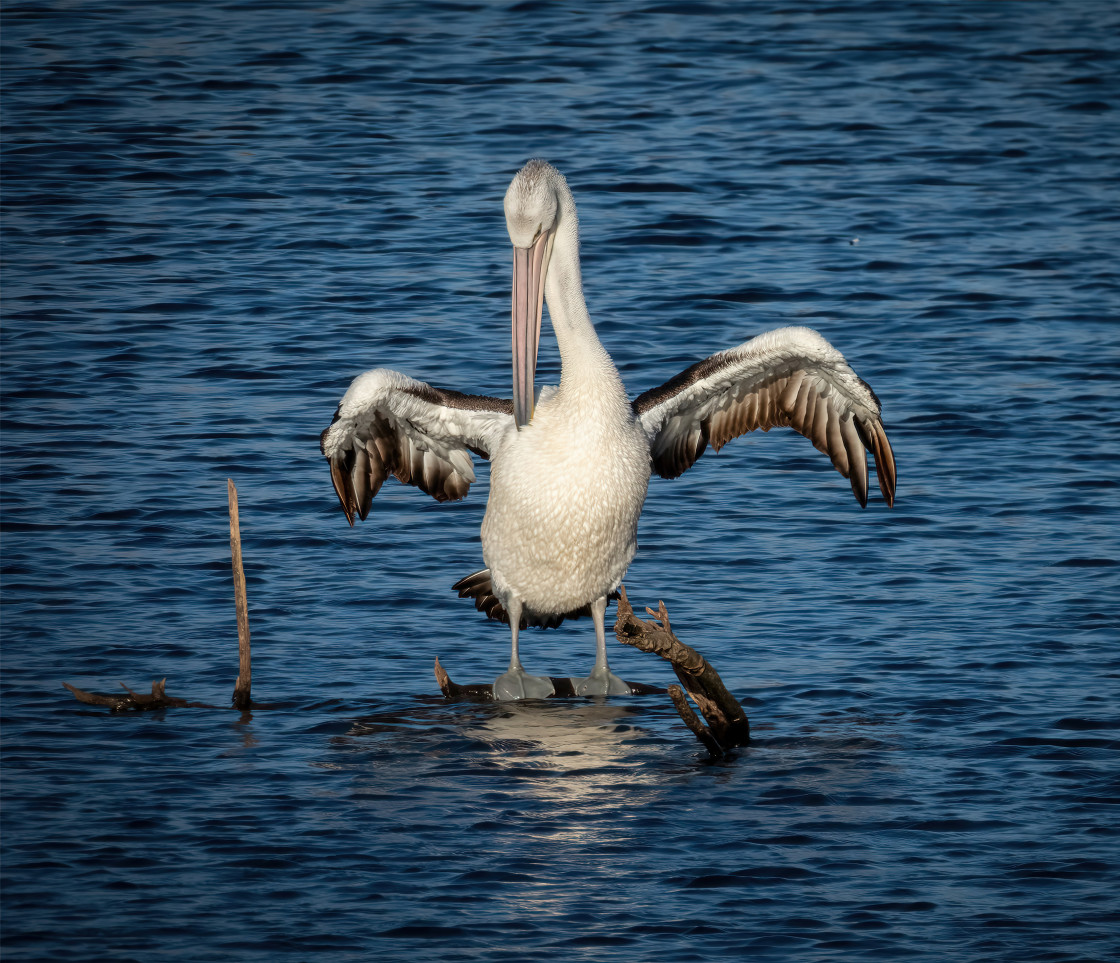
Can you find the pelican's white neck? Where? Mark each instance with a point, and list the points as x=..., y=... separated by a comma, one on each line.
x=583, y=358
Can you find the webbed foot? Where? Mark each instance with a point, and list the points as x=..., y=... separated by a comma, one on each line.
x=518, y=684
x=601, y=682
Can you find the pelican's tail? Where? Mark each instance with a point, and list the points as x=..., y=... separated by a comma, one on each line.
x=478, y=586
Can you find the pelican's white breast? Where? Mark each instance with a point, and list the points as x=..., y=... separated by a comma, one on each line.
x=565, y=495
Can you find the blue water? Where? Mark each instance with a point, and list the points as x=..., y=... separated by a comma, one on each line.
x=216, y=214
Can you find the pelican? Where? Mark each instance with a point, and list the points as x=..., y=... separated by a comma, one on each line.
x=570, y=464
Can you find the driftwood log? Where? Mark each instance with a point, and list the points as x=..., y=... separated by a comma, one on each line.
x=727, y=723
x=484, y=691
x=130, y=701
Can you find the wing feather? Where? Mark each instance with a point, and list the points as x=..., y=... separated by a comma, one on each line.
x=788, y=377
x=794, y=391
x=361, y=480
x=834, y=444
x=884, y=459
x=857, y=458
x=390, y=424
x=819, y=437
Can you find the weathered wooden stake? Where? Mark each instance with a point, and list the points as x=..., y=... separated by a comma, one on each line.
x=241, y=691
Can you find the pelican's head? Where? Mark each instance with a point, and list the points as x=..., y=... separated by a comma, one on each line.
x=533, y=209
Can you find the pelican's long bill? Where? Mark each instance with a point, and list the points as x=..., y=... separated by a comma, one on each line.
x=529, y=267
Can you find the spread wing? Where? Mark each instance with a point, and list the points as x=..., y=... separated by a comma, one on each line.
x=390, y=424
x=791, y=377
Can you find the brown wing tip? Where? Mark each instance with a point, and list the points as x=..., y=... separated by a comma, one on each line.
x=884, y=465
x=859, y=491
x=342, y=488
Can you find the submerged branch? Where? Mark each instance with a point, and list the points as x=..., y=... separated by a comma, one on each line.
x=728, y=725
x=701, y=731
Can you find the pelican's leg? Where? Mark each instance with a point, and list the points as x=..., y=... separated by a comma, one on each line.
x=601, y=681
x=516, y=683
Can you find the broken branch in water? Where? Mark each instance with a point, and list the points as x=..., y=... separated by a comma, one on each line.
x=132, y=700
x=727, y=722
x=701, y=731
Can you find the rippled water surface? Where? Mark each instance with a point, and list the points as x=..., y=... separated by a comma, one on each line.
x=216, y=214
